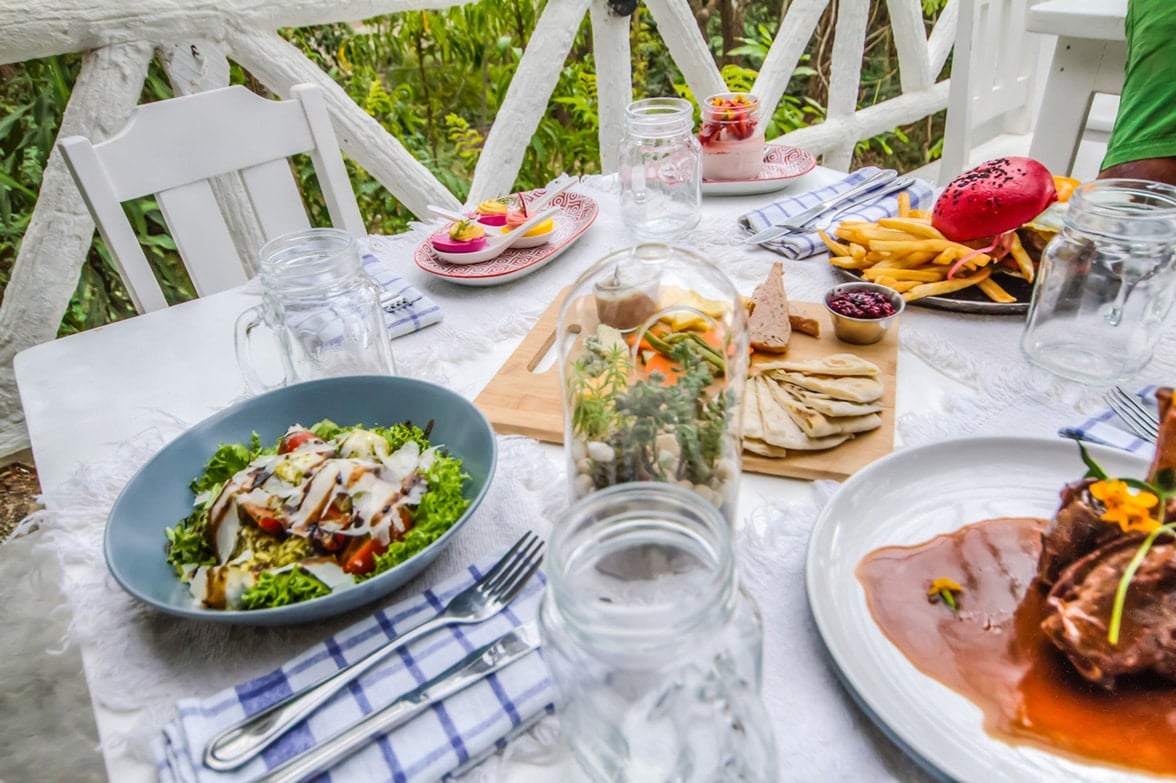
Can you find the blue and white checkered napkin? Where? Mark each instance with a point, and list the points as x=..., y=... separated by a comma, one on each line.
x=467, y=725
x=417, y=310
x=804, y=245
x=1108, y=429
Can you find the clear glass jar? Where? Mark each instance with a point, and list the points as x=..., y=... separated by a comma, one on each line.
x=731, y=136
x=320, y=308
x=653, y=359
x=661, y=169
x=655, y=653
x=1106, y=283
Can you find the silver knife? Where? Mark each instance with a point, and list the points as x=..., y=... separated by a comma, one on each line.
x=475, y=667
x=902, y=183
x=796, y=222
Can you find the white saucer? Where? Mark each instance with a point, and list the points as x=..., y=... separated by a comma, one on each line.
x=781, y=164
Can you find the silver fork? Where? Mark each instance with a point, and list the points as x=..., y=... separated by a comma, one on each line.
x=1134, y=413
x=485, y=598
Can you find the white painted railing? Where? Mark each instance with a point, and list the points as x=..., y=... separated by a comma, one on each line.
x=194, y=39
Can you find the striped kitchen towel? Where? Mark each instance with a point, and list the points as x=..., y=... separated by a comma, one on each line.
x=807, y=244
x=464, y=727
x=1107, y=429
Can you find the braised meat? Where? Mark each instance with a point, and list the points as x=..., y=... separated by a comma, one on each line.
x=1074, y=532
x=1080, y=606
x=1082, y=563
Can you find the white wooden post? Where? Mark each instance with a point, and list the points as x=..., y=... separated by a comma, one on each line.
x=848, y=47
x=526, y=99
x=614, y=80
x=61, y=230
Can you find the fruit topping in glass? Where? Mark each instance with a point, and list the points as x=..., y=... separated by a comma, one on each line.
x=728, y=117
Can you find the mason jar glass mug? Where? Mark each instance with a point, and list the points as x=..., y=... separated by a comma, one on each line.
x=319, y=309
x=655, y=652
x=660, y=169
x=1106, y=283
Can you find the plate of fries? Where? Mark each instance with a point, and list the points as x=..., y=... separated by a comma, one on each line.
x=911, y=256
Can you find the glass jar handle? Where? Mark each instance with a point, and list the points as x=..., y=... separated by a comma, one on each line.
x=247, y=322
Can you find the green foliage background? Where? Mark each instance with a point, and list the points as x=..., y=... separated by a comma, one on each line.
x=435, y=80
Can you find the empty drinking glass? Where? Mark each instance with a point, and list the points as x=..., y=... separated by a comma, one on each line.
x=1106, y=283
x=320, y=308
x=661, y=169
x=654, y=651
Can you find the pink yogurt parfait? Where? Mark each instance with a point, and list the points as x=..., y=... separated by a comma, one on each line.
x=732, y=137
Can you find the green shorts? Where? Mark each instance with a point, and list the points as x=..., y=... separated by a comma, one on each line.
x=1145, y=126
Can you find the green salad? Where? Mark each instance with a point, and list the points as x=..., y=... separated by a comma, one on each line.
x=323, y=509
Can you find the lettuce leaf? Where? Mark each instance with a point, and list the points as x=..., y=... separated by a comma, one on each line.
x=281, y=589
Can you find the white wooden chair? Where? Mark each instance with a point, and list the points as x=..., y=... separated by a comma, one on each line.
x=1089, y=59
x=991, y=92
x=171, y=149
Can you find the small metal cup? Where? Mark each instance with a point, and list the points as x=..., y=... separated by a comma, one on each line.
x=863, y=331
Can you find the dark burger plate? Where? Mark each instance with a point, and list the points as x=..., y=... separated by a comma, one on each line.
x=972, y=299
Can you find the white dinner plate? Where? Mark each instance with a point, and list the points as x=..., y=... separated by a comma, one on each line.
x=906, y=498
x=781, y=164
x=576, y=213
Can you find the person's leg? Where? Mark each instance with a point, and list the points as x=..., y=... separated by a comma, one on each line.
x=1143, y=141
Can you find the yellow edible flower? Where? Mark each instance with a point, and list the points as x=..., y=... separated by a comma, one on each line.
x=1131, y=512
x=945, y=589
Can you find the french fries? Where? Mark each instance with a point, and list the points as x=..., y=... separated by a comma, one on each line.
x=911, y=256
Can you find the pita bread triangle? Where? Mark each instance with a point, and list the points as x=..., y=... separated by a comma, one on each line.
x=753, y=423
x=851, y=388
x=831, y=406
x=781, y=430
x=812, y=422
x=834, y=364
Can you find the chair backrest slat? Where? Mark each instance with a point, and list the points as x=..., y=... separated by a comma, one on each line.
x=275, y=198
x=171, y=149
x=200, y=231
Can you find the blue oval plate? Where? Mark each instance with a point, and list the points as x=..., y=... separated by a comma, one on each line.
x=158, y=496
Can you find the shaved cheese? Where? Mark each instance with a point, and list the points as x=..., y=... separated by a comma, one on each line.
x=329, y=573
x=402, y=462
x=363, y=444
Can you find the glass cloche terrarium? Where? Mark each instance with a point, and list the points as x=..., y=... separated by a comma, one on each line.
x=653, y=351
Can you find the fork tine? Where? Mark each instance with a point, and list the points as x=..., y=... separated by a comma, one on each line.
x=1139, y=414
x=513, y=590
x=506, y=560
x=517, y=565
x=1134, y=415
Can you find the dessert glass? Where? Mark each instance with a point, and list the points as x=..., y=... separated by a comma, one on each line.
x=732, y=137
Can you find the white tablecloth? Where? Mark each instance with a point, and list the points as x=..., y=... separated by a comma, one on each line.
x=100, y=403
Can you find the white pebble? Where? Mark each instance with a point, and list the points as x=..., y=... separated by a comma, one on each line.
x=668, y=443
x=583, y=485
x=600, y=452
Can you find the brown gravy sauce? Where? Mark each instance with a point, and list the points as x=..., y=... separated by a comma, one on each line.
x=993, y=653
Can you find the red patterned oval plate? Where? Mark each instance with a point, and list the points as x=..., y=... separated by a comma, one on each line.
x=781, y=164
x=576, y=213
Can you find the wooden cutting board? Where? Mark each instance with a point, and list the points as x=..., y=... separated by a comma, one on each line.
x=523, y=398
